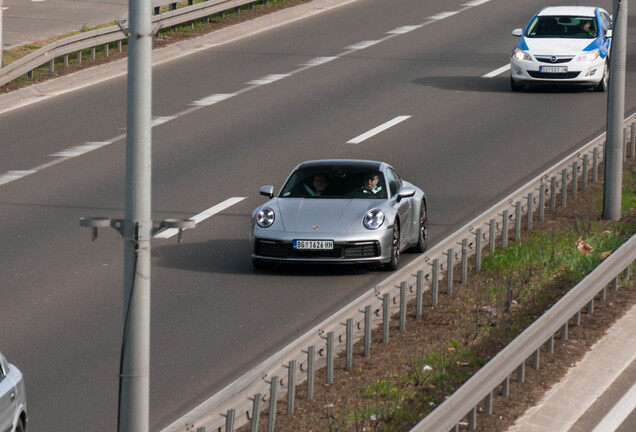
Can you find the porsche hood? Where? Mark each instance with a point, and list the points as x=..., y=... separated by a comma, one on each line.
x=323, y=215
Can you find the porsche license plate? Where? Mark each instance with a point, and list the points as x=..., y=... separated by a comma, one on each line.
x=313, y=244
x=553, y=69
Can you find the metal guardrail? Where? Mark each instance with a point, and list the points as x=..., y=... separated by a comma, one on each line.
x=104, y=37
x=240, y=402
x=496, y=372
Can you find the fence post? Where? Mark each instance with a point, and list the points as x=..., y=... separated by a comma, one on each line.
x=434, y=282
x=330, y=357
x=403, y=306
x=418, y=294
x=464, y=261
x=385, y=318
x=367, y=330
x=311, y=371
x=256, y=408
x=478, y=249
x=291, y=387
x=271, y=417
x=449, y=272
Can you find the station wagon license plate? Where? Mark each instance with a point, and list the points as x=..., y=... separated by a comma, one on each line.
x=553, y=69
x=313, y=244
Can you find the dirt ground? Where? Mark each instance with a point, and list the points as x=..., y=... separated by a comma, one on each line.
x=340, y=406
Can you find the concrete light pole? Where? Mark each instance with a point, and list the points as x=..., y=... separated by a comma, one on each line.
x=614, y=147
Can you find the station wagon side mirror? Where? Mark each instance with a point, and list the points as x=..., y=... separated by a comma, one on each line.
x=268, y=191
x=517, y=32
x=608, y=34
x=405, y=192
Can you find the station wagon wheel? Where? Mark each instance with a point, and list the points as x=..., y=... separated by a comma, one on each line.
x=423, y=231
x=20, y=426
x=395, y=248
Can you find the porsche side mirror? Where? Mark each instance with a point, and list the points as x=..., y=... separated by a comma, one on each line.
x=268, y=191
x=517, y=32
x=405, y=192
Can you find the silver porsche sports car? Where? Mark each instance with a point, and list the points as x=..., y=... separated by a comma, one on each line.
x=340, y=211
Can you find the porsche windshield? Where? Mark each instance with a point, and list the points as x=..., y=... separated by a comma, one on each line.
x=562, y=27
x=335, y=182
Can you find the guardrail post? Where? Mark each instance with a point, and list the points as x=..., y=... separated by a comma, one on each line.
x=367, y=331
x=256, y=408
x=633, y=140
x=541, y=202
x=602, y=295
x=590, y=307
x=403, y=306
x=106, y=50
x=505, y=387
x=521, y=373
x=615, y=284
x=93, y=53
x=624, y=146
x=472, y=419
x=586, y=162
x=530, y=211
x=536, y=357
x=118, y=44
x=291, y=387
x=385, y=318
x=419, y=280
x=434, y=282
x=52, y=65
x=564, y=331
x=330, y=357
x=564, y=187
x=550, y=345
x=595, y=165
x=478, y=249
x=553, y=194
x=488, y=404
x=449, y=271
x=311, y=371
x=517, y=220
x=491, y=236
x=575, y=178
x=65, y=60
x=79, y=57
x=464, y=261
x=271, y=416
x=229, y=420
x=504, y=229
x=349, y=352
x=577, y=319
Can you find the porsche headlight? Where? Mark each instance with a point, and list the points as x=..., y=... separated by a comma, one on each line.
x=373, y=219
x=265, y=217
x=590, y=55
x=520, y=54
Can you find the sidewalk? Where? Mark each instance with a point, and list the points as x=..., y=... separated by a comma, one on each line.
x=569, y=399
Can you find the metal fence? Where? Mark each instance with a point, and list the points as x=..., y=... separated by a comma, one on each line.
x=241, y=402
x=112, y=37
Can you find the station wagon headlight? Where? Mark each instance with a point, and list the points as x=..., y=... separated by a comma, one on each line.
x=265, y=217
x=520, y=54
x=590, y=55
x=373, y=219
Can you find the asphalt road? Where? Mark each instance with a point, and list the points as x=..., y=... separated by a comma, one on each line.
x=295, y=92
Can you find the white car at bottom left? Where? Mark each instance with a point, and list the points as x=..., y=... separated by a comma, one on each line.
x=13, y=416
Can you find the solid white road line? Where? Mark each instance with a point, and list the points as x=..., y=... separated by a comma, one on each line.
x=617, y=415
x=377, y=130
x=497, y=71
x=202, y=216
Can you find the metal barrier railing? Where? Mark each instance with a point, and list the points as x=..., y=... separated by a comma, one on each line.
x=114, y=35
